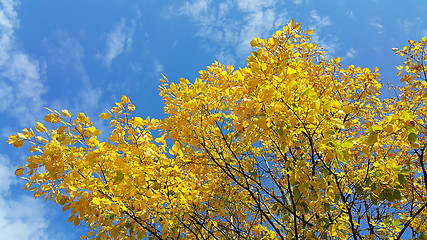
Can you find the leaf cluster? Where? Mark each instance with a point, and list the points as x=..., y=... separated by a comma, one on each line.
x=293, y=146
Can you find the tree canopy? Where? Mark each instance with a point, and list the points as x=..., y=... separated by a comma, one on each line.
x=292, y=146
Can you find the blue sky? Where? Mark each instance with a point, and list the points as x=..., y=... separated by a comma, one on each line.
x=83, y=55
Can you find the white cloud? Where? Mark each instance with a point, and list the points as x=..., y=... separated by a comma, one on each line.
x=231, y=38
x=350, y=53
x=197, y=10
x=406, y=24
x=411, y=26
x=254, y=5
x=21, y=90
x=21, y=218
x=67, y=52
x=6, y=175
x=88, y=99
x=319, y=21
x=118, y=40
x=319, y=26
x=158, y=68
x=258, y=23
x=376, y=24
x=21, y=86
x=297, y=1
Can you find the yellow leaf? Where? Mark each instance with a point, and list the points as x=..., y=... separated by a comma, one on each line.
x=149, y=153
x=254, y=43
x=12, y=139
x=32, y=149
x=66, y=113
x=18, y=143
x=125, y=99
x=336, y=104
x=139, y=121
x=104, y=116
x=309, y=32
x=50, y=117
x=338, y=123
x=63, y=200
x=81, y=117
x=27, y=133
x=180, y=153
x=76, y=221
x=60, y=130
x=290, y=71
x=96, y=201
x=112, y=138
x=40, y=127
x=19, y=171
x=27, y=185
x=131, y=107
x=175, y=147
x=161, y=139
x=347, y=109
x=372, y=138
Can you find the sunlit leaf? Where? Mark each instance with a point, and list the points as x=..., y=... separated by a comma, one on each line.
x=19, y=171
x=66, y=113
x=104, y=116
x=40, y=127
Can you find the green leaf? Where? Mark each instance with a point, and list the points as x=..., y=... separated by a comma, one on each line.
x=119, y=177
x=296, y=193
x=274, y=208
x=397, y=195
x=324, y=221
x=405, y=171
x=396, y=222
x=422, y=236
x=372, y=138
x=305, y=206
x=368, y=182
x=401, y=178
x=340, y=156
x=359, y=189
x=389, y=195
x=279, y=131
x=286, y=218
x=254, y=174
x=313, y=195
x=373, y=199
x=412, y=137
x=327, y=207
x=347, y=144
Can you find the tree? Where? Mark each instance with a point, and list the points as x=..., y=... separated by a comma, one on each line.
x=293, y=146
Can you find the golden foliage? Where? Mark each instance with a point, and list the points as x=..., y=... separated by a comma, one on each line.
x=293, y=146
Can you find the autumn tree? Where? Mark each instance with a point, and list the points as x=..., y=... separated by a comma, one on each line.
x=293, y=146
